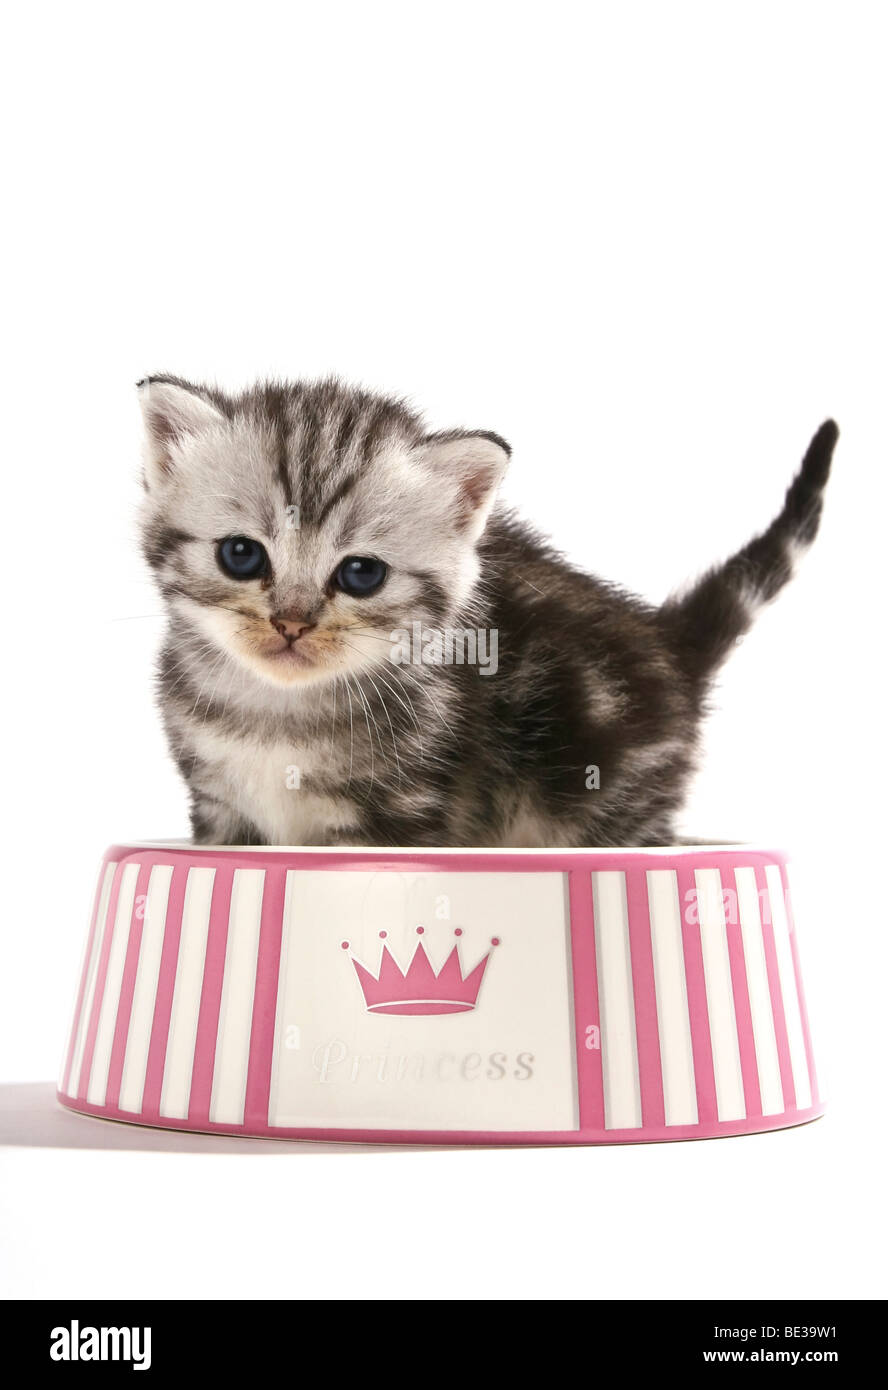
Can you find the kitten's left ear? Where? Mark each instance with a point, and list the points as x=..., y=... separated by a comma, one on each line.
x=471, y=464
x=172, y=411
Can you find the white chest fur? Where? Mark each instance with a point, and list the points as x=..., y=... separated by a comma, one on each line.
x=272, y=786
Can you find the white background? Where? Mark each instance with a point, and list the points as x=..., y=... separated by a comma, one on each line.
x=644, y=242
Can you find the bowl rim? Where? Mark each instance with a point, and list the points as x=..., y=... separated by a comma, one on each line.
x=690, y=848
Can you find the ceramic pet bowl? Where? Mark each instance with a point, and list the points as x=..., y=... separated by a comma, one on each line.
x=443, y=996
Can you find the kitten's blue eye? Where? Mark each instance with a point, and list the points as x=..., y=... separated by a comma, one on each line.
x=242, y=557
x=359, y=575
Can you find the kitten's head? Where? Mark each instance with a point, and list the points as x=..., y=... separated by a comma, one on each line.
x=296, y=526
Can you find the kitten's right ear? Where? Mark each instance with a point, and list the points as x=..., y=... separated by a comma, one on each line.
x=471, y=464
x=172, y=411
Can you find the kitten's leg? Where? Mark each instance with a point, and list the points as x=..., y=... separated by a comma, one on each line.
x=215, y=823
x=347, y=839
x=389, y=831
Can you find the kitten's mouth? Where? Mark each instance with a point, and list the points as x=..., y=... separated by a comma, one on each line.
x=297, y=654
x=313, y=656
x=286, y=662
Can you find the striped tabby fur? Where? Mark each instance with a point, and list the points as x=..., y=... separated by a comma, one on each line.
x=324, y=740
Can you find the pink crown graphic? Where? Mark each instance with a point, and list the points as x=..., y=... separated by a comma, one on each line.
x=420, y=989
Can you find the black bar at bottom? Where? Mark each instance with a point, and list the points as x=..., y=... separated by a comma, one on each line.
x=318, y=1338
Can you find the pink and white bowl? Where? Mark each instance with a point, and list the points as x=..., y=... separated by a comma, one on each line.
x=443, y=996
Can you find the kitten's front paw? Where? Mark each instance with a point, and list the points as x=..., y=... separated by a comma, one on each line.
x=348, y=839
x=213, y=823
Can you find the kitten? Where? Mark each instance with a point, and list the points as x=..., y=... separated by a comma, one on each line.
x=325, y=562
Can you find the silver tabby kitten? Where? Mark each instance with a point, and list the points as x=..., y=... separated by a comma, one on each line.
x=325, y=564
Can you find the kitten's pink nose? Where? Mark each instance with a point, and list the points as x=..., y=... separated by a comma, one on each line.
x=291, y=628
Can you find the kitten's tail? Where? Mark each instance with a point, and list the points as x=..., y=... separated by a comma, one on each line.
x=705, y=622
